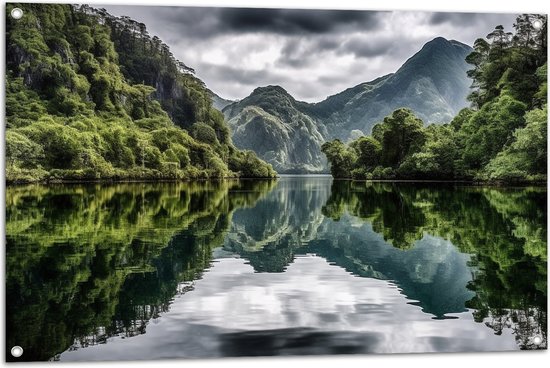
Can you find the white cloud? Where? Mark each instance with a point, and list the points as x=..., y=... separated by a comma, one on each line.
x=304, y=52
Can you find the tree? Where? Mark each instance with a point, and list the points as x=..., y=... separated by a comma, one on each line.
x=478, y=57
x=368, y=152
x=526, y=155
x=402, y=136
x=438, y=157
x=500, y=38
x=490, y=129
x=341, y=158
x=204, y=133
x=20, y=150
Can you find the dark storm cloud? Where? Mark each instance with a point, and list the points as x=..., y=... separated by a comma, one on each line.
x=470, y=19
x=210, y=22
x=239, y=82
x=294, y=21
x=300, y=52
x=243, y=76
x=453, y=18
x=365, y=47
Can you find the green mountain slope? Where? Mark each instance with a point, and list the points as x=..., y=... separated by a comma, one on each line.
x=279, y=129
x=433, y=83
x=502, y=137
x=288, y=133
x=91, y=96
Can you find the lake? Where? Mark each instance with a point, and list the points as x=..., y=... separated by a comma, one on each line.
x=298, y=265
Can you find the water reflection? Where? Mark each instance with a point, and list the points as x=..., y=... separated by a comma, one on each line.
x=90, y=266
x=88, y=262
x=312, y=308
x=449, y=248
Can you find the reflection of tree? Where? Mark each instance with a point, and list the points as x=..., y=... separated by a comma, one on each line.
x=503, y=229
x=391, y=212
x=87, y=262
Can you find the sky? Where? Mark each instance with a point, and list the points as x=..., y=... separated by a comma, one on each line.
x=311, y=53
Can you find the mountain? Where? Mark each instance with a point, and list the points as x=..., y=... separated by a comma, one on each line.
x=288, y=133
x=219, y=102
x=278, y=128
x=432, y=83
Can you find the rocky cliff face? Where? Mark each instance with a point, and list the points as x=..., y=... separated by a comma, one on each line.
x=270, y=122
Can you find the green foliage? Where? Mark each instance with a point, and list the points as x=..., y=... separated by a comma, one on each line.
x=490, y=128
x=541, y=97
x=438, y=159
x=526, y=156
x=341, y=157
x=502, y=138
x=75, y=112
x=368, y=152
x=248, y=165
x=204, y=133
x=21, y=151
x=402, y=135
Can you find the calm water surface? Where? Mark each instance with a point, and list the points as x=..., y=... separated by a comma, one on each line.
x=302, y=265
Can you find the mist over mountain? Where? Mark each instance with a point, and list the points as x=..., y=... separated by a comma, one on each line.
x=288, y=133
x=219, y=102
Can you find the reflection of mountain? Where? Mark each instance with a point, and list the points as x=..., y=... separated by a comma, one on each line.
x=289, y=221
x=418, y=237
x=279, y=223
x=433, y=273
x=88, y=262
x=311, y=308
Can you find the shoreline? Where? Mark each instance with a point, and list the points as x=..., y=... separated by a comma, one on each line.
x=472, y=183
x=129, y=181
x=441, y=181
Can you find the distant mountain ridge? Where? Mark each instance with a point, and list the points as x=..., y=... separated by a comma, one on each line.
x=219, y=102
x=288, y=133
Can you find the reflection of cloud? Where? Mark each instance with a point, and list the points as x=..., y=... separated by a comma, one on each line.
x=232, y=304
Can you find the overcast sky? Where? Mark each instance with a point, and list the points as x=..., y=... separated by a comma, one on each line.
x=311, y=53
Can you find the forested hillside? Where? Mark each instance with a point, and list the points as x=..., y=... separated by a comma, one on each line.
x=501, y=137
x=288, y=133
x=90, y=96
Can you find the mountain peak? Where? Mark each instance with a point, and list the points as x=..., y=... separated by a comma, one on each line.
x=270, y=89
x=434, y=53
x=438, y=40
x=289, y=133
x=441, y=43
